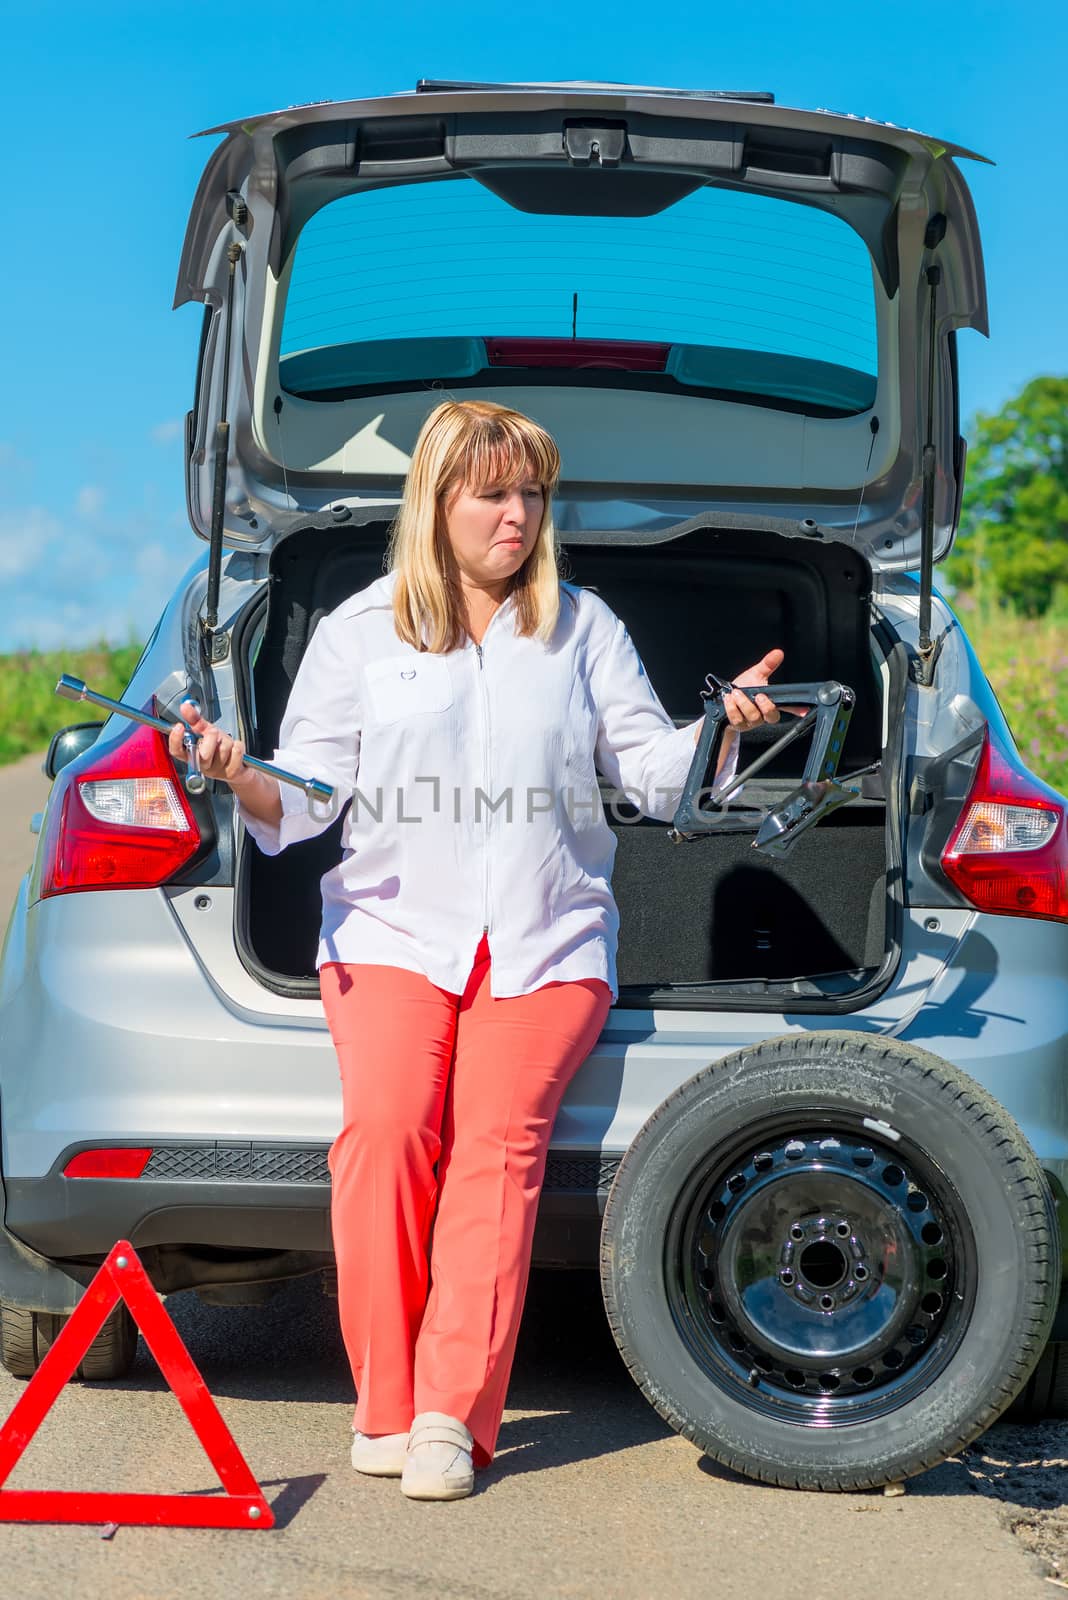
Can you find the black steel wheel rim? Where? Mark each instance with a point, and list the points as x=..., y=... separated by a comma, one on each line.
x=819, y=1273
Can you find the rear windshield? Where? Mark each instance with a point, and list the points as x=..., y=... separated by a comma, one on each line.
x=728, y=292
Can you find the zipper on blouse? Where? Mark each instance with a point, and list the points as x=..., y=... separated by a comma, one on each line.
x=484, y=702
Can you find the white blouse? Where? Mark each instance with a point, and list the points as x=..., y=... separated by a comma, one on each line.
x=473, y=777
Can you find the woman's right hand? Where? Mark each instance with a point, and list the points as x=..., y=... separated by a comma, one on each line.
x=219, y=756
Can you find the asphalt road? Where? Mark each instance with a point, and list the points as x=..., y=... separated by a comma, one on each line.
x=591, y=1495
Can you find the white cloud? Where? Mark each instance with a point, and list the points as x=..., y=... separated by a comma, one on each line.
x=28, y=540
x=72, y=626
x=155, y=562
x=167, y=432
x=90, y=500
x=68, y=584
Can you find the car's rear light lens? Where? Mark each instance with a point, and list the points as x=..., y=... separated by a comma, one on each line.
x=135, y=803
x=120, y=822
x=123, y=1162
x=1009, y=850
x=989, y=828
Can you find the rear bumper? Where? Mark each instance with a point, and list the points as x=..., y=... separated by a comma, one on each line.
x=63, y=1217
x=233, y=1210
x=30, y=1280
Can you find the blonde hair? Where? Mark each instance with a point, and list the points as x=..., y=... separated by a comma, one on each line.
x=471, y=444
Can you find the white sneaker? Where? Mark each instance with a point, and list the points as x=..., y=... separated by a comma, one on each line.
x=438, y=1464
x=381, y=1456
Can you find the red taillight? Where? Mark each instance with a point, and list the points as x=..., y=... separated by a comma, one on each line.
x=120, y=822
x=1009, y=850
x=621, y=355
x=119, y=1163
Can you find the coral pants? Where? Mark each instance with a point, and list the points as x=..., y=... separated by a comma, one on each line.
x=433, y=1267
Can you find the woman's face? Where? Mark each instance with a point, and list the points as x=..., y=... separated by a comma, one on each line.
x=493, y=531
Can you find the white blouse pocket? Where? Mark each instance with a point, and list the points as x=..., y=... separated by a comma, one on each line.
x=407, y=686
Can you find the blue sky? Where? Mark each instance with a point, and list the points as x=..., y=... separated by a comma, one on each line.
x=100, y=98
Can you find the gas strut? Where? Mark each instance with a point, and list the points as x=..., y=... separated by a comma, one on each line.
x=777, y=829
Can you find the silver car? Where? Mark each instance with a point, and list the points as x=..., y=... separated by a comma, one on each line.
x=820, y=1148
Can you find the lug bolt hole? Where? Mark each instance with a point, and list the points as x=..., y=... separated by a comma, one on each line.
x=860, y=1273
x=827, y=1302
x=843, y=1230
x=786, y=1277
x=797, y=1233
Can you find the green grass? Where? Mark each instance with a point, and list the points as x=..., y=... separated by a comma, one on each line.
x=31, y=711
x=1027, y=662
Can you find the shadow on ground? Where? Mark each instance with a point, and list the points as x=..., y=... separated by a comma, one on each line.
x=1022, y=1467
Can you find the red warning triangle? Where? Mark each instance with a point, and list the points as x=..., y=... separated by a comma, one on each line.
x=122, y=1277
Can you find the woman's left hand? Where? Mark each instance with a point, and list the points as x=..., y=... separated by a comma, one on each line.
x=744, y=713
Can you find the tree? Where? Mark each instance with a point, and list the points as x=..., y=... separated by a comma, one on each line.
x=1013, y=540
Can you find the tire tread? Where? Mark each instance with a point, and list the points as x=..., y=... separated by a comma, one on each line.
x=27, y=1336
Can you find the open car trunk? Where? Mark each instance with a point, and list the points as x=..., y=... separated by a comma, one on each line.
x=702, y=921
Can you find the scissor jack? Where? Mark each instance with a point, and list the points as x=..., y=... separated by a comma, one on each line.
x=701, y=809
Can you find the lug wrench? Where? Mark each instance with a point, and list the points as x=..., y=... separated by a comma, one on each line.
x=74, y=689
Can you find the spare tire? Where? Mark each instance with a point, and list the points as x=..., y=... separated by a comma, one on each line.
x=830, y=1260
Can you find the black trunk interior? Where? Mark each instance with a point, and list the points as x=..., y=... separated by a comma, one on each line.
x=709, y=911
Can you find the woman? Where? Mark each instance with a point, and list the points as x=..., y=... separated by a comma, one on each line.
x=467, y=961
